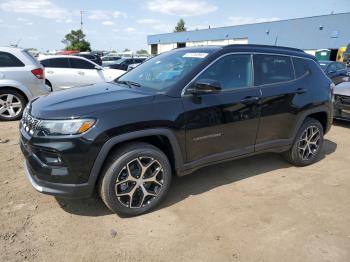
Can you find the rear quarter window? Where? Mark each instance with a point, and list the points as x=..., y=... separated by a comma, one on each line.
x=300, y=67
x=272, y=69
x=9, y=60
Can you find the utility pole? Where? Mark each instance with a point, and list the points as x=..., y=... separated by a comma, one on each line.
x=81, y=20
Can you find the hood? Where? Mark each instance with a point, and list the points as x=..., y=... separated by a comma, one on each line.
x=342, y=89
x=84, y=101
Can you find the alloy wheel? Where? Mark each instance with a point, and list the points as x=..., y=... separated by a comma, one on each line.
x=309, y=143
x=10, y=105
x=139, y=182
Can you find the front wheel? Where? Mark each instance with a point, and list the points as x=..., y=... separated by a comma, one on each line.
x=307, y=144
x=135, y=179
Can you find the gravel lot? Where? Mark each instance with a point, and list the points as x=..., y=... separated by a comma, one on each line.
x=254, y=209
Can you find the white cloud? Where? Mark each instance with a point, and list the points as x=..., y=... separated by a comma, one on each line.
x=163, y=28
x=130, y=29
x=105, y=15
x=107, y=23
x=117, y=14
x=240, y=20
x=181, y=7
x=20, y=19
x=29, y=23
x=147, y=21
x=42, y=8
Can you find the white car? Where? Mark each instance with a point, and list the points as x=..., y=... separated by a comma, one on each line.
x=21, y=78
x=63, y=71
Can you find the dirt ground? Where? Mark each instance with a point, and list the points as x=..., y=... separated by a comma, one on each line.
x=254, y=209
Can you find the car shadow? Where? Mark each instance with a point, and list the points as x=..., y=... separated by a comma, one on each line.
x=341, y=123
x=199, y=182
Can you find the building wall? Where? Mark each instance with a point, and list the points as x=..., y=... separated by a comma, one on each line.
x=310, y=33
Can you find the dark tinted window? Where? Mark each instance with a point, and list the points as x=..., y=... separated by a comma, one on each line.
x=9, y=60
x=81, y=64
x=300, y=67
x=232, y=71
x=340, y=66
x=331, y=68
x=270, y=69
x=56, y=63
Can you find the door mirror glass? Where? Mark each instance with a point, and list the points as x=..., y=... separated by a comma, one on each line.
x=205, y=86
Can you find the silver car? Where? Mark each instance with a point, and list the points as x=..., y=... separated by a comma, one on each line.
x=21, y=78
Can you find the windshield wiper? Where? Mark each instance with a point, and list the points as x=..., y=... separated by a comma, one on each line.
x=130, y=84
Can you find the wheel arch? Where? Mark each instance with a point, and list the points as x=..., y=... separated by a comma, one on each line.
x=17, y=87
x=322, y=114
x=17, y=90
x=162, y=138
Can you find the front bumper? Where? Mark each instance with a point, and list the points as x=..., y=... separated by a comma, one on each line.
x=342, y=107
x=58, y=189
x=70, y=178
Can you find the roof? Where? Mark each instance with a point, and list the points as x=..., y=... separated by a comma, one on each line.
x=324, y=31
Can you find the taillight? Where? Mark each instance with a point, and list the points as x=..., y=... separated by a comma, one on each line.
x=39, y=73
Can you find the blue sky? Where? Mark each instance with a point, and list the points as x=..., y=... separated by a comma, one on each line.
x=116, y=24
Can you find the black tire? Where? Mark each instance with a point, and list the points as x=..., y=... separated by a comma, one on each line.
x=17, y=99
x=116, y=166
x=296, y=154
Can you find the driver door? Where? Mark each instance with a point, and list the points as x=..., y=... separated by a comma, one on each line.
x=223, y=125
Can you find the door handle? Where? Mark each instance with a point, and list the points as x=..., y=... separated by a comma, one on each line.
x=80, y=73
x=50, y=72
x=250, y=100
x=300, y=91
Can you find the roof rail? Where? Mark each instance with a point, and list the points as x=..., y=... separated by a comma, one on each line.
x=265, y=46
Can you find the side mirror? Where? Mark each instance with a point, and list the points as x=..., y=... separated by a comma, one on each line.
x=205, y=86
x=97, y=67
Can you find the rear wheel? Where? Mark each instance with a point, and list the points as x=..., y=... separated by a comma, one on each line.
x=307, y=145
x=12, y=104
x=135, y=179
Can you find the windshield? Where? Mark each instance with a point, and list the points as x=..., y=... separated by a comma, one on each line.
x=161, y=72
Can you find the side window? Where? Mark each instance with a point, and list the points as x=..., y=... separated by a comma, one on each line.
x=271, y=69
x=81, y=64
x=9, y=60
x=232, y=71
x=58, y=63
x=340, y=66
x=300, y=67
x=331, y=68
x=46, y=63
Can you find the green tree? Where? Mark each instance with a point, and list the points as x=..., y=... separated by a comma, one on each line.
x=126, y=50
x=180, y=27
x=76, y=41
x=142, y=52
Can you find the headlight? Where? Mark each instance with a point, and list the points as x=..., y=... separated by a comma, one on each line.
x=64, y=127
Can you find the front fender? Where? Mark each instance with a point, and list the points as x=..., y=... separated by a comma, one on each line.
x=106, y=148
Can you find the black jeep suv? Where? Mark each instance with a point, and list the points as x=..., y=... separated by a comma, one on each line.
x=175, y=113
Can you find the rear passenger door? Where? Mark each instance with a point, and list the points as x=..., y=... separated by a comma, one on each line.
x=223, y=125
x=280, y=94
x=58, y=71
